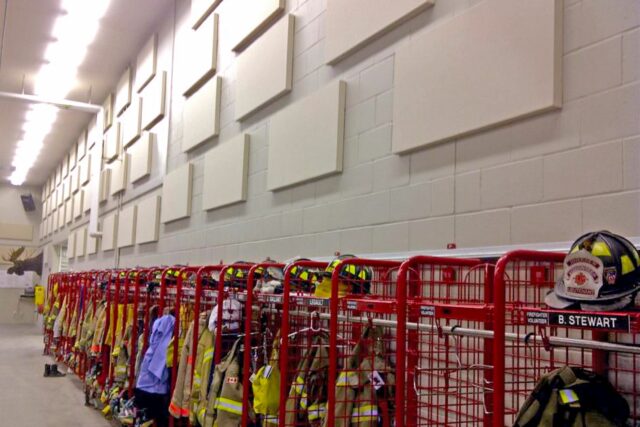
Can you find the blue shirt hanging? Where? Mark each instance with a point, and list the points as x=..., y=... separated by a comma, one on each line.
x=154, y=374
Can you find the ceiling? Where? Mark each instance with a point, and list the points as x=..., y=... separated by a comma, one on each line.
x=124, y=29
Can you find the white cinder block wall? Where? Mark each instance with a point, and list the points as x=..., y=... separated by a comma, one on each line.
x=542, y=179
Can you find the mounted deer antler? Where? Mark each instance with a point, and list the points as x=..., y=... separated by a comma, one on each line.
x=14, y=254
x=22, y=265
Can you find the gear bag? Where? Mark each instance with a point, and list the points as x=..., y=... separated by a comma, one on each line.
x=570, y=397
x=266, y=385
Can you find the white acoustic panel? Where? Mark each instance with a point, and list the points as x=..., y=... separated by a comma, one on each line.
x=272, y=55
x=111, y=147
x=68, y=209
x=73, y=153
x=107, y=112
x=11, y=231
x=92, y=133
x=109, y=231
x=82, y=145
x=200, y=10
x=60, y=194
x=119, y=175
x=201, y=54
x=131, y=122
x=123, y=92
x=74, y=177
x=78, y=204
x=92, y=244
x=65, y=166
x=225, y=173
x=71, y=245
x=306, y=138
x=60, y=221
x=176, y=193
x=127, y=226
x=141, y=155
x=201, y=115
x=67, y=187
x=105, y=182
x=148, y=220
x=146, y=63
x=350, y=24
x=85, y=170
x=86, y=198
x=81, y=241
x=154, y=100
x=467, y=75
x=245, y=20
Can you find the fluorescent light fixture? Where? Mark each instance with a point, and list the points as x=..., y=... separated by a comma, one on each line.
x=73, y=32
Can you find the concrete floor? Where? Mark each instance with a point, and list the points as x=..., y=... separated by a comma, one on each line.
x=29, y=399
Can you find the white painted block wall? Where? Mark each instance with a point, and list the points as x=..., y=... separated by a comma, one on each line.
x=542, y=179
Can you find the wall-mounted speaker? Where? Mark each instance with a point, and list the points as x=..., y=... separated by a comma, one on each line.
x=28, y=203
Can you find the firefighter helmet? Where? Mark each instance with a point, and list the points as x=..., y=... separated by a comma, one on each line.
x=302, y=278
x=601, y=272
x=236, y=275
x=354, y=278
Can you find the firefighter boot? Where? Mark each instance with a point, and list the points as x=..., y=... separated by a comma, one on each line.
x=54, y=371
x=47, y=370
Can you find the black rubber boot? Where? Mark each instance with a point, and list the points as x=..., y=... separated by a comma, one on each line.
x=47, y=370
x=55, y=373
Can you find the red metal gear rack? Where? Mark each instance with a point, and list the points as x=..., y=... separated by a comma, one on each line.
x=230, y=288
x=206, y=296
x=269, y=306
x=531, y=339
x=353, y=320
x=300, y=316
x=184, y=295
x=448, y=377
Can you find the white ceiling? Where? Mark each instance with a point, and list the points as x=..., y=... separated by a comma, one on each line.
x=124, y=29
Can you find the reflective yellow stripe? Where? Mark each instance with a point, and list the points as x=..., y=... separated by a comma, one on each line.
x=317, y=411
x=303, y=400
x=201, y=415
x=121, y=369
x=346, y=378
x=627, y=265
x=298, y=386
x=196, y=380
x=271, y=419
x=568, y=396
x=228, y=405
x=600, y=249
x=364, y=413
x=208, y=355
